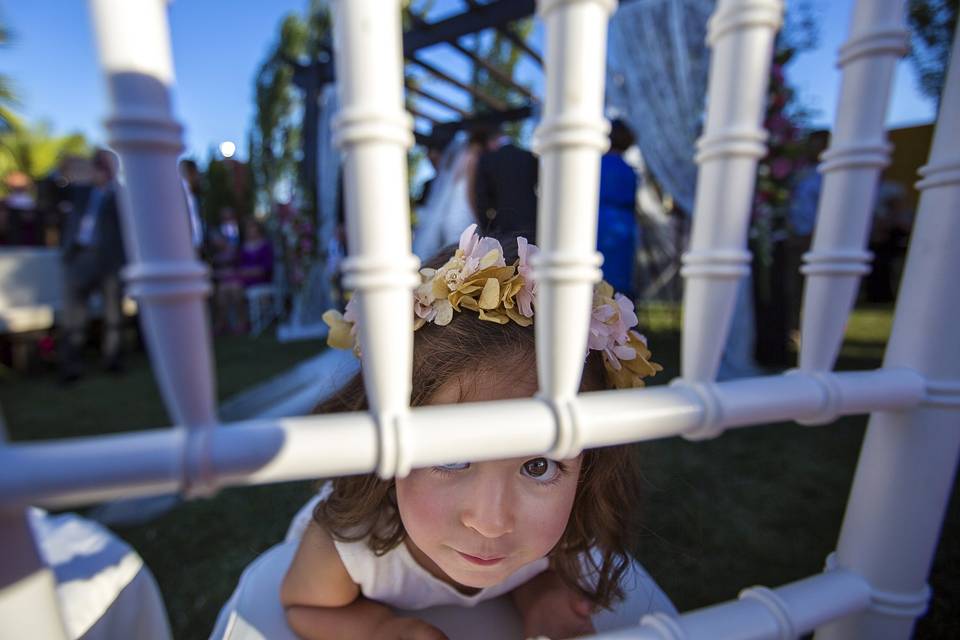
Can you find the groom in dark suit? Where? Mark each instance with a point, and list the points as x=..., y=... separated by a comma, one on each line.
x=505, y=189
x=93, y=255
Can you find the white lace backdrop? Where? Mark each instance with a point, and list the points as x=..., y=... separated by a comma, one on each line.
x=657, y=63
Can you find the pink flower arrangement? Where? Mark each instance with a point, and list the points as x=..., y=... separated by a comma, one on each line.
x=610, y=323
x=525, y=297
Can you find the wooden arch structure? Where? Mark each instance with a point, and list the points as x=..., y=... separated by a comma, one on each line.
x=498, y=15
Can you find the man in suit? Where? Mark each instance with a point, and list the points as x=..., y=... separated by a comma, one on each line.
x=505, y=189
x=93, y=255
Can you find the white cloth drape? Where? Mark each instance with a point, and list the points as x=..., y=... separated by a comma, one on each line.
x=105, y=590
x=657, y=65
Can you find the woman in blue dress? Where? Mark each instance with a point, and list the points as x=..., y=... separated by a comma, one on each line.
x=617, y=227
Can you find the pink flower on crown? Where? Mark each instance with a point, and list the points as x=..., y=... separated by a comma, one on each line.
x=350, y=313
x=525, y=296
x=478, y=253
x=610, y=323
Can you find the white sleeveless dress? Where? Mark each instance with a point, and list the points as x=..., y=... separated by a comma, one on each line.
x=398, y=580
x=254, y=611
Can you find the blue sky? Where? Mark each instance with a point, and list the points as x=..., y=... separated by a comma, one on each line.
x=219, y=44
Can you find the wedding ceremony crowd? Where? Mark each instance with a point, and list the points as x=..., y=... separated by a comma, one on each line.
x=479, y=175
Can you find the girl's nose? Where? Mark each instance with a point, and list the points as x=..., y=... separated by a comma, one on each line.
x=489, y=511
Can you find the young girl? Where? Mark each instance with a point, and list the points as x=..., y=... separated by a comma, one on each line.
x=553, y=534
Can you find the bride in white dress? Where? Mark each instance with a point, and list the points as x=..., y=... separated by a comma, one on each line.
x=448, y=209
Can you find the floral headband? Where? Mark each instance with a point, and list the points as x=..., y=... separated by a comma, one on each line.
x=478, y=278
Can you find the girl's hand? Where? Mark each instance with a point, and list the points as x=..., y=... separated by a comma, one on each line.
x=550, y=608
x=394, y=628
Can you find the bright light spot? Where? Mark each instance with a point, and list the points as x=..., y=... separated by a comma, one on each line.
x=227, y=149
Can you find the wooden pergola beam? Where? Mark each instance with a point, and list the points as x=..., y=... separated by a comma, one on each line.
x=494, y=103
x=507, y=32
x=492, y=117
x=420, y=114
x=518, y=42
x=437, y=99
x=494, y=72
x=480, y=17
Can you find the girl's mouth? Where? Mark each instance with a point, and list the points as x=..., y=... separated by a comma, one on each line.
x=483, y=562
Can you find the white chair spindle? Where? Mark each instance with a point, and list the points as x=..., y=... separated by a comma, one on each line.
x=569, y=140
x=374, y=132
x=288, y=449
x=851, y=168
x=909, y=458
x=741, y=33
x=164, y=275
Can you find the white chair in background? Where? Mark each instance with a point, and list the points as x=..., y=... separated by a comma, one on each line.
x=265, y=302
x=264, y=305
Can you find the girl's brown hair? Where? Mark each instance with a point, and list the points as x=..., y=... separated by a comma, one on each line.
x=469, y=348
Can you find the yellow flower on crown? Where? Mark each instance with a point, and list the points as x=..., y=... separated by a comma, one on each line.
x=626, y=357
x=477, y=278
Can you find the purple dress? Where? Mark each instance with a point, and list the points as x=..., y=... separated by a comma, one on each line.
x=259, y=256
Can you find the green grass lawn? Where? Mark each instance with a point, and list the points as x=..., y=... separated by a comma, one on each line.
x=760, y=505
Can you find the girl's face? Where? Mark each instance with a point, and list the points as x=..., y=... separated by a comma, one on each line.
x=474, y=524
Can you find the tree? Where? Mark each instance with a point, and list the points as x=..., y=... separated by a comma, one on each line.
x=227, y=184
x=275, y=135
x=282, y=120
x=932, y=24
x=35, y=150
x=785, y=120
x=8, y=98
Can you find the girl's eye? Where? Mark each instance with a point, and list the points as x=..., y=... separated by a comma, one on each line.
x=542, y=469
x=455, y=466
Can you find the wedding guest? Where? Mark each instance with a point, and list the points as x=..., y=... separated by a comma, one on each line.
x=505, y=188
x=93, y=255
x=55, y=193
x=19, y=218
x=801, y=220
x=253, y=265
x=616, y=222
